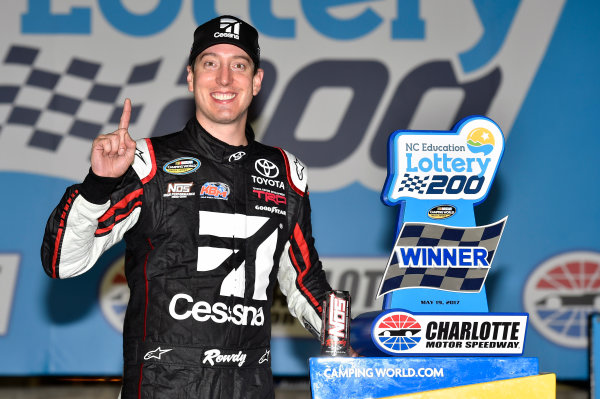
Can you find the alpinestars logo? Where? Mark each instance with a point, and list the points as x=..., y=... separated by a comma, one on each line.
x=230, y=27
x=156, y=353
x=140, y=154
x=265, y=357
x=299, y=169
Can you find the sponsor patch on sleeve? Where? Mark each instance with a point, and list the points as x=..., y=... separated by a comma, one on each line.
x=296, y=172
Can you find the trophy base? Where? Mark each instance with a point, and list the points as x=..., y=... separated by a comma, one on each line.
x=378, y=377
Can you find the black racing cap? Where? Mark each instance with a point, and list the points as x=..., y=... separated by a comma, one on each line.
x=226, y=29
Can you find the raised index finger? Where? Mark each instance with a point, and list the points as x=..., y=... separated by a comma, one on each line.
x=126, y=115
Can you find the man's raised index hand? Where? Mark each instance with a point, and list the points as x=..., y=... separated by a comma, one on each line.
x=114, y=152
x=125, y=115
x=124, y=126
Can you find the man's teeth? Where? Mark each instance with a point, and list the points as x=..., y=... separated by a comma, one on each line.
x=223, y=96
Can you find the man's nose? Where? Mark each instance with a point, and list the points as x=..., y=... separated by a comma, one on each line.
x=224, y=75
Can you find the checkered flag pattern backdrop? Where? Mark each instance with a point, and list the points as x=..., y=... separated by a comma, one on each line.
x=459, y=279
x=64, y=103
x=413, y=183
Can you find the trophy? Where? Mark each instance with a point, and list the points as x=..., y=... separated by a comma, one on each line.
x=435, y=330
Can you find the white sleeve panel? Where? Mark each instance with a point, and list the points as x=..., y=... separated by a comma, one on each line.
x=80, y=248
x=297, y=303
x=143, y=162
x=297, y=172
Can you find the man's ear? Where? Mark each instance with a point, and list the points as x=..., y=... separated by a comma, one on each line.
x=257, y=81
x=190, y=78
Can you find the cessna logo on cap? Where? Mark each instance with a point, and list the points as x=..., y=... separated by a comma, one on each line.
x=230, y=27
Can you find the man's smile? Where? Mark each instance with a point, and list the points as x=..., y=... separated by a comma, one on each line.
x=223, y=96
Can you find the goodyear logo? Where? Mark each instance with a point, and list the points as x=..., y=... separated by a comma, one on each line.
x=182, y=166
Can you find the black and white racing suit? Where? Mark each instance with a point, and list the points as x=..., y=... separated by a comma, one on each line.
x=209, y=229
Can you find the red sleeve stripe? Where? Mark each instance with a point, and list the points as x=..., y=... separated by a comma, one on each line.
x=288, y=171
x=56, y=246
x=140, y=381
x=153, y=160
x=121, y=204
x=117, y=219
x=126, y=202
x=299, y=237
x=145, y=314
x=59, y=233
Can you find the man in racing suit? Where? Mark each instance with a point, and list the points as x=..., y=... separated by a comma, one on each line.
x=212, y=219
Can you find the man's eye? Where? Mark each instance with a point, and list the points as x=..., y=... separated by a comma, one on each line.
x=241, y=67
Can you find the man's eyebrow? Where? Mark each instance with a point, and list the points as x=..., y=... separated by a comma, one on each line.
x=207, y=55
x=242, y=56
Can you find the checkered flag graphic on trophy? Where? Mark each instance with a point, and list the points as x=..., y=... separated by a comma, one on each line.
x=413, y=183
x=399, y=275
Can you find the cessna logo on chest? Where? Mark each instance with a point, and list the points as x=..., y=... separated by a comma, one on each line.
x=183, y=306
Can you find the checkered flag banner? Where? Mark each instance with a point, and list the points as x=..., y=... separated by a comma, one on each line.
x=56, y=105
x=413, y=183
x=441, y=257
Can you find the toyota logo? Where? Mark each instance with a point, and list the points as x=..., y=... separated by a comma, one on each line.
x=237, y=156
x=266, y=168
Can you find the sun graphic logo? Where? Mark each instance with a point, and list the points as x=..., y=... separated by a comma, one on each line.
x=114, y=294
x=480, y=140
x=395, y=332
x=561, y=293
